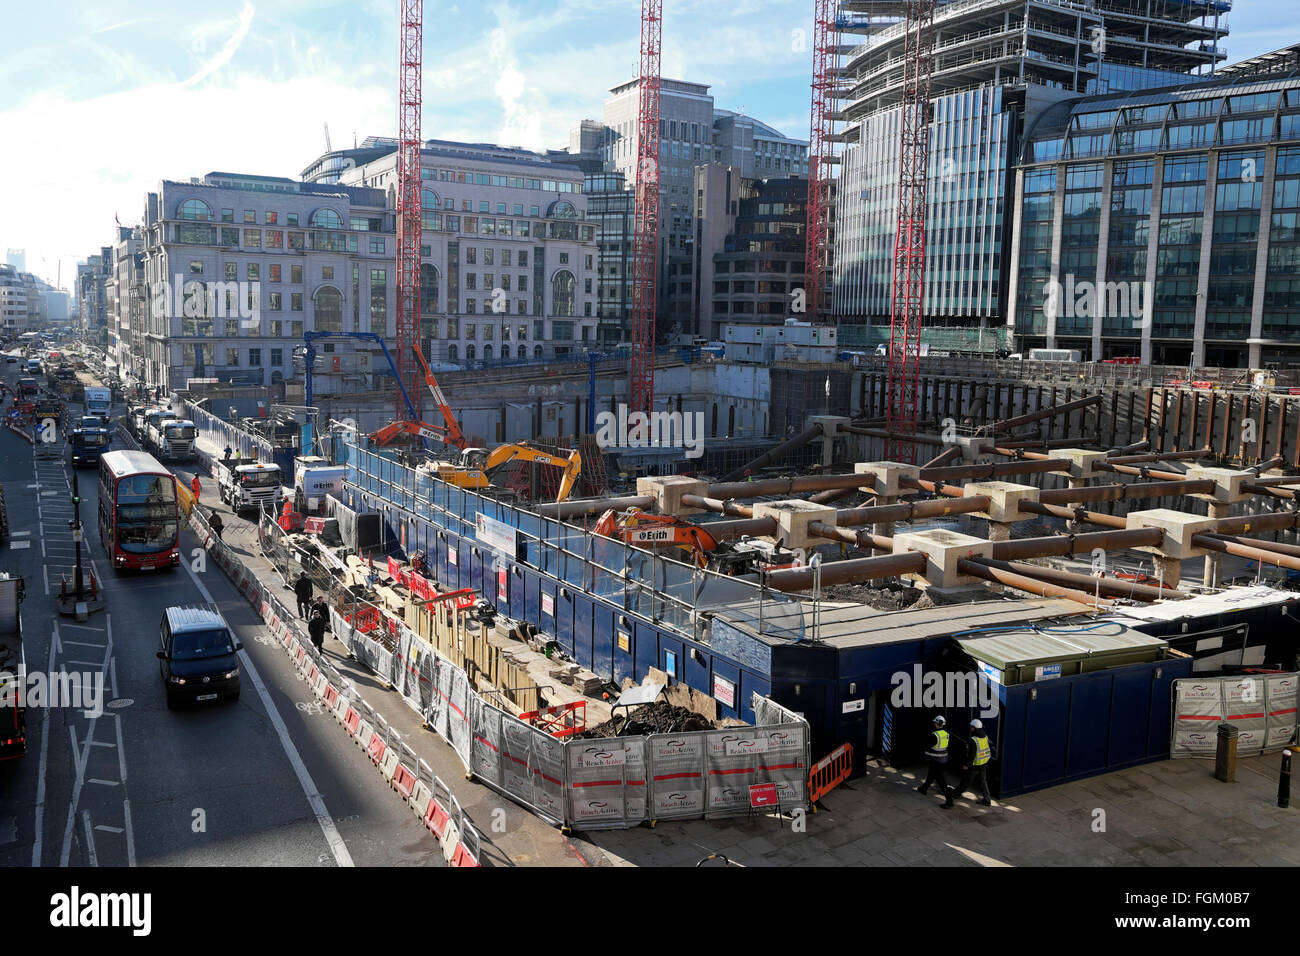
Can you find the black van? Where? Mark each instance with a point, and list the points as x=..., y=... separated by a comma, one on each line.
x=197, y=657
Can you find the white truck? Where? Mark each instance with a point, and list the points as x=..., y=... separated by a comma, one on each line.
x=173, y=438
x=315, y=477
x=151, y=427
x=98, y=401
x=246, y=483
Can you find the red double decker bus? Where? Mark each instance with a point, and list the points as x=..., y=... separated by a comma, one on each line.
x=139, y=517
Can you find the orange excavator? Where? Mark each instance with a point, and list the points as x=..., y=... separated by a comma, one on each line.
x=636, y=527
x=448, y=433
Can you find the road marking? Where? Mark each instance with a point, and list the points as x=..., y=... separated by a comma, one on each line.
x=20, y=534
x=90, y=839
x=105, y=783
x=83, y=627
x=40, y=783
x=130, y=833
x=95, y=664
x=314, y=798
x=107, y=829
x=20, y=545
x=47, y=580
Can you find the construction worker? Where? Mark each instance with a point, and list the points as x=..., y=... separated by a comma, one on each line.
x=976, y=769
x=196, y=486
x=937, y=756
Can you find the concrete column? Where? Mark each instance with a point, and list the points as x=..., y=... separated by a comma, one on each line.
x=1168, y=570
x=1218, y=509
x=1255, y=357
x=1203, y=276
x=1153, y=251
x=884, y=528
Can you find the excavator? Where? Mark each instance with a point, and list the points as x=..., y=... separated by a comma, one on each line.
x=644, y=530
x=448, y=433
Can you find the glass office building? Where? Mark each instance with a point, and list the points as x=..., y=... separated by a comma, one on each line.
x=1164, y=224
x=999, y=65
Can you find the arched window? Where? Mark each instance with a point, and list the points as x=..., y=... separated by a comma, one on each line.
x=194, y=209
x=328, y=309
x=428, y=207
x=487, y=353
x=452, y=352
x=562, y=289
x=521, y=352
x=537, y=351
x=469, y=353
x=562, y=209
x=327, y=219
x=428, y=289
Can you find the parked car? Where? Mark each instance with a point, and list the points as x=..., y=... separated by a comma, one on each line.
x=197, y=655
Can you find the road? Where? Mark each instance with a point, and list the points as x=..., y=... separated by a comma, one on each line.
x=267, y=779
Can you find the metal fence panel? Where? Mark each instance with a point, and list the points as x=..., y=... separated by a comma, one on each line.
x=487, y=754
x=606, y=783
x=439, y=715
x=1262, y=708
x=677, y=776
x=458, y=719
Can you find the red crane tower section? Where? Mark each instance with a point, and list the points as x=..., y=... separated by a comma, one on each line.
x=909, y=238
x=645, y=243
x=409, y=213
x=820, y=157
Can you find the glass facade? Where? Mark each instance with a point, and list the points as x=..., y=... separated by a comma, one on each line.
x=1202, y=229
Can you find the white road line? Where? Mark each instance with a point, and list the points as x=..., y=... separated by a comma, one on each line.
x=90, y=838
x=83, y=627
x=21, y=545
x=130, y=833
x=107, y=829
x=95, y=664
x=20, y=534
x=104, y=743
x=47, y=581
x=105, y=783
x=84, y=644
x=314, y=798
x=40, y=783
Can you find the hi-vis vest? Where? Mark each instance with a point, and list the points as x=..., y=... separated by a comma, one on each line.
x=983, y=751
x=939, y=749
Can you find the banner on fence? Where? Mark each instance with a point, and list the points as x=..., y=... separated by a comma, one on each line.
x=1261, y=706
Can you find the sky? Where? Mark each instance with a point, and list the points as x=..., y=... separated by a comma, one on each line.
x=99, y=102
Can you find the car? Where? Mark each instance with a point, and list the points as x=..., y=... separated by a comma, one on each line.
x=196, y=656
x=10, y=360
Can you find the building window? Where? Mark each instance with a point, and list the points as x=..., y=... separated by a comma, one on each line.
x=196, y=267
x=275, y=272
x=428, y=290
x=326, y=219
x=277, y=357
x=564, y=258
x=253, y=238
x=274, y=301
x=377, y=245
x=232, y=271
x=328, y=304
x=469, y=353
x=562, y=292
x=227, y=215
x=195, y=209
x=379, y=300
x=255, y=358
x=274, y=239
x=295, y=274
x=232, y=357
x=295, y=301
x=451, y=353
x=292, y=219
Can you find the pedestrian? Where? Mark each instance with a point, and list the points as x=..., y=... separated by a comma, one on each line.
x=216, y=524
x=316, y=628
x=937, y=756
x=302, y=588
x=227, y=454
x=321, y=606
x=975, y=771
x=196, y=486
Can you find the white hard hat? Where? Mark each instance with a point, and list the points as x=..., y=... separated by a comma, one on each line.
x=976, y=725
x=939, y=720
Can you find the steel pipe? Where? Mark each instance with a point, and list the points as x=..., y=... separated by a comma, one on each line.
x=1062, y=545
x=591, y=506
x=1110, y=587
x=988, y=571
x=1121, y=491
x=780, y=451
x=851, y=571
x=1028, y=417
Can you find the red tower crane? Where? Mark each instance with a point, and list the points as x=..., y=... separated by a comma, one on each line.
x=821, y=156
x=409, y=213
x=909, y=238
x=645, y=243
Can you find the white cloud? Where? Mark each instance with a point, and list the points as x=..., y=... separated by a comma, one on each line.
x=228, y=49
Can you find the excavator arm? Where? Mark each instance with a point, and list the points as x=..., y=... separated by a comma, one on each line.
x=572, y=465
x=394, y=430
x=452, y=431
x=658, y=531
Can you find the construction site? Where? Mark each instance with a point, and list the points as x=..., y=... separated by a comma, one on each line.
x=1096, y=559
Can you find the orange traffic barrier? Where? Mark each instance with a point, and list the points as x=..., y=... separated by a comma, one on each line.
x=829, y=772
